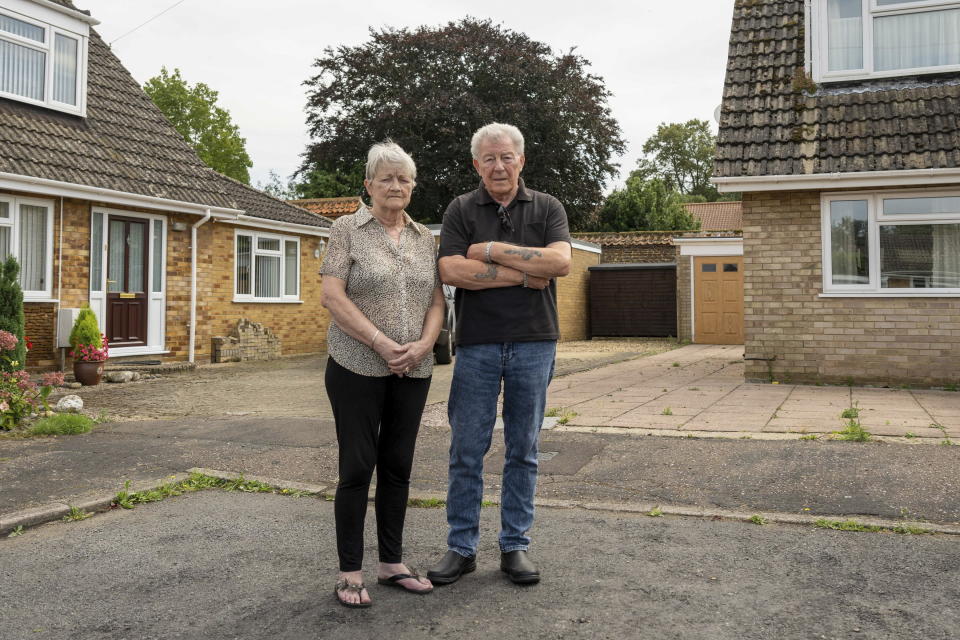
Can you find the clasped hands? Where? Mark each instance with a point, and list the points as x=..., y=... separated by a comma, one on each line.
x=401, y=359
x=478, y=251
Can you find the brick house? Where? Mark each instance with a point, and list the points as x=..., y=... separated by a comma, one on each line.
x=104, y=204
x=840, y=124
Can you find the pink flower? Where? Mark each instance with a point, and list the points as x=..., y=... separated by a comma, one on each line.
x=52, y=379
x=8, y=341
x=4, y=406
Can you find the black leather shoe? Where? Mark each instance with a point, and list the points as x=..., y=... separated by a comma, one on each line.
x=518, y=566
x=451, y=567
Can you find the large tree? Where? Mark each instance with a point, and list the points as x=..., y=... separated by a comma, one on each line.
x=430, y=88
x=681, y=155
x=193, y=111
x=643, y=205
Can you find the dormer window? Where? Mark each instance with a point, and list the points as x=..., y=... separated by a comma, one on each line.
x=857, y=39
x=43, y=52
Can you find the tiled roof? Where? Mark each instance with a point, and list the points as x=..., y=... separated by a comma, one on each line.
x=329, y=207
x=717, y=216
x=627, y=238
x=125, y=144
x=262, y=205
x=770, y=125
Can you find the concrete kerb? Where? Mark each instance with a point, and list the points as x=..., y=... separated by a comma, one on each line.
x=56, y=511
x=821, y=436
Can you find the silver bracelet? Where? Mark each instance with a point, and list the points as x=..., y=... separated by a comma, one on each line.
x=373, y=340
x=486, y=252
x=524, y=280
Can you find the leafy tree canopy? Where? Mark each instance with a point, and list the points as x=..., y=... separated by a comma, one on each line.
x=644, y=205
x=430, y=88
x=205, y=126
x=681, y=155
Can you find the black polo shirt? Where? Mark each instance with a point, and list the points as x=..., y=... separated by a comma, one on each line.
x=507, y=314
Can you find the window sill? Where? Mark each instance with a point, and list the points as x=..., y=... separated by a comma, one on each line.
x=261, y=301
x=911, y=293
x=47, y=300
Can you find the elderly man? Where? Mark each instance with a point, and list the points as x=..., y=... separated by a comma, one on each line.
x=502, y=246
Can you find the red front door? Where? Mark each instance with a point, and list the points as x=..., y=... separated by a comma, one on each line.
x=127, y=269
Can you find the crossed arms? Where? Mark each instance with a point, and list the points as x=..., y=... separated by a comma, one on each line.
x=507, y=266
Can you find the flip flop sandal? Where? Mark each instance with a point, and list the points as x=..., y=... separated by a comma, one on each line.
x=394, y=581
x=343, y=585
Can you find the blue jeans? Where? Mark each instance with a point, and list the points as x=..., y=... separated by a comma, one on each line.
x=525, y=369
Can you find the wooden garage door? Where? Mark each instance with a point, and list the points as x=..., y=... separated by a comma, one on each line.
x=718, y=300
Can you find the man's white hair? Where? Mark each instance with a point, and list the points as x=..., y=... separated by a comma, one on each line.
x=496, y=131
x=389, y=153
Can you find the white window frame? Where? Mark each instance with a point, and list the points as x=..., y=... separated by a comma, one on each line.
x=870, y=9
x=52, y=23
x=255, y=237
x=876, y=218
x=13, y=222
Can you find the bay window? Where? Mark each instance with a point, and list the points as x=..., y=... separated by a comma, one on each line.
x=267, y=268
x=883, y=38
x=42, y=56
x=891, y=243
x=26, y=232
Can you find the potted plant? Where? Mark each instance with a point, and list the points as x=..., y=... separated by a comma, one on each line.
x=90, y=348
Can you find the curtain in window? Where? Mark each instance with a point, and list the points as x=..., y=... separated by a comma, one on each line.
x=22, y=70
x=946, y=255
x=135, y=256
x=157, y=256
x=4, y=231
x=243, y=265
x=848, y=242
x=267, y=269
x=924, y=39
x=96, y=253
x=844, y=35
x=33, y=247
x=290, y=279
x=22, y=29
x=65, y=69
x=115, y=279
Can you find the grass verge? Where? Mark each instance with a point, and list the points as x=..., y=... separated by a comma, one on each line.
x=853, y=525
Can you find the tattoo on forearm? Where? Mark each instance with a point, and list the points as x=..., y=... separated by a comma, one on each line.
x=491, y=273
x=524, y=253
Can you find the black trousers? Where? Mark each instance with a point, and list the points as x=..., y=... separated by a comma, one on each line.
x=377, y=423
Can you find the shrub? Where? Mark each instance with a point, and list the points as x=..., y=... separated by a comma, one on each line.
x=63, y=424
x=85, y=331
x=11, y=316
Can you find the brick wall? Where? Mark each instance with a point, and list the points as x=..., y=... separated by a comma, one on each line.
x=684, y=307
x=301, y=328
x=881, y=340
x=573, y=297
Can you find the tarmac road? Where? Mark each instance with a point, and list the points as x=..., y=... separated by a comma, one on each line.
x=218, y=565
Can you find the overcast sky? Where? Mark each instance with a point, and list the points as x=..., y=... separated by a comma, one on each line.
x=663, y=61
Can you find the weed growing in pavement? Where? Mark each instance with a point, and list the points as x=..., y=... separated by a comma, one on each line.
x=197, y=482
x=656, y=512
x=667, y=411
x=16, y=532
x=562, y=413
x=853, y=432
x=810, y=436
x=746, y=437
x=101, y=417
x=909, y=435
x=694, y=389
x=675, y=364
x=76, y=515
x=62, y=424
x=950, y=387
x=853, y=525
x=850, y=412
x=757, y=519
x=426, y=503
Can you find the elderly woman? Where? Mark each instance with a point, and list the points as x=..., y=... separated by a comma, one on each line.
x=381, y=287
